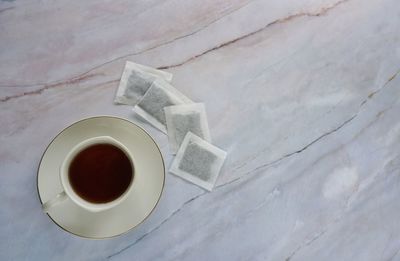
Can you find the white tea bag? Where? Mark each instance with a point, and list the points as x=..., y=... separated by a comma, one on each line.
x=135, y=81
x=198, y=161
x=185, y=118
x=151, y=107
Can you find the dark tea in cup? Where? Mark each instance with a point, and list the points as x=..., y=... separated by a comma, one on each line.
x=100, y=173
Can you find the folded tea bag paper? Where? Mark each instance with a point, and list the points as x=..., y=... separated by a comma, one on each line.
x=198, y=161
x=185, y=118
x=135, y=81
x=151, y=107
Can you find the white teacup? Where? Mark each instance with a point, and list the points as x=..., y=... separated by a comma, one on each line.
x=69, y=193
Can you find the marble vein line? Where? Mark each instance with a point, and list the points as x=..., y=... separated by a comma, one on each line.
x=314, y=238
x=277, y=161
x=346, y=206
x=288, y=155
x=330, y=224
x=131, y=54
x=37, y=92
x=167, y=42
x=387, y=246
x=309, y=242
x=322, y=11
x=394, y=255
x=58, y=85
x=158, y=226
x=267, y=199
x=6, y=9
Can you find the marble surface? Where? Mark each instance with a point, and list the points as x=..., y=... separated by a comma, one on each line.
x=303, y=94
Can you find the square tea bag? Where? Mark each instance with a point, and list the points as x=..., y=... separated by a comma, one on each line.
x=185, y=118
x=135, y=81
x=198, y=161
x=151, y=107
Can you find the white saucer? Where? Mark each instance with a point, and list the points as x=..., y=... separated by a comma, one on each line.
x=146, y=191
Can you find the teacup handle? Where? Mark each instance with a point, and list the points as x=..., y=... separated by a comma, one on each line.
x=61, y=197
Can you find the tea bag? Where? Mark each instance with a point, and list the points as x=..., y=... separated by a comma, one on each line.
x=135, y=81
x=183, y=118
x=198, y=161
x=151, y=107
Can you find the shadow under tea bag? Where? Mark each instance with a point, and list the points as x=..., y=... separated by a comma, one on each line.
x=185, y=118
x=198, y=161
x=151, y=107
x=135, y=81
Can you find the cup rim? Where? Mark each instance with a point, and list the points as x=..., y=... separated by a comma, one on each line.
x=64, y=175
